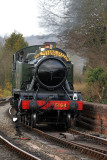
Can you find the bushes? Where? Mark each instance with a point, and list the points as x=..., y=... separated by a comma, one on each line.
x=6, y=91
x=94, y=89
x=97, y=84
x=1, y=92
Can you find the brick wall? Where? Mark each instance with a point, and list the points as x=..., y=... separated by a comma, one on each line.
x=94, y=117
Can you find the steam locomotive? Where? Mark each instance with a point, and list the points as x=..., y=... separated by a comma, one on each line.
x=42, y=86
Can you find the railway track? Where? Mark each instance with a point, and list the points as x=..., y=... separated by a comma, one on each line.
x=98, y=139
x=4, y=101
x=96, y=153
x=22, y=153
x=11, y=146
x=91, y=151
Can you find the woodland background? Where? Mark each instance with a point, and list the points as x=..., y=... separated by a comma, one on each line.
x=81, y=26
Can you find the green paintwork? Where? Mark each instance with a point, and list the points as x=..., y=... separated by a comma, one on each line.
x=22, y=72
x=70, y=74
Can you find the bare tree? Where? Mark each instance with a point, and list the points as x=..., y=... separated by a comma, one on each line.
x=79, y=24
x=53, y=14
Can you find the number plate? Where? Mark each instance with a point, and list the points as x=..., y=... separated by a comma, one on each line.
x=60, y=105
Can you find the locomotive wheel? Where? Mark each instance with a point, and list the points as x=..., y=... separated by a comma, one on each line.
x=68, y=121
x=26, y=120
x=29, y=120
x=33, y=122
x=23, y=119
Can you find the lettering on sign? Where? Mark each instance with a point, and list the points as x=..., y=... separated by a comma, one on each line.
x=60, y=105
x=52, y=53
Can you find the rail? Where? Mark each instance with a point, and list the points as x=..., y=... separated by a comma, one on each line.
x=19, y=151
x=98, y=139
x=90, y=151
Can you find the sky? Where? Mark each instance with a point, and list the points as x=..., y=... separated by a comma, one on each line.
x=20, y=16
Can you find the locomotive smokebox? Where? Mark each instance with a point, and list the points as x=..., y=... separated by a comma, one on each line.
x=51, y=72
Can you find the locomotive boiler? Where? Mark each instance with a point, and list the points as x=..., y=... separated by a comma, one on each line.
x=42, y=84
